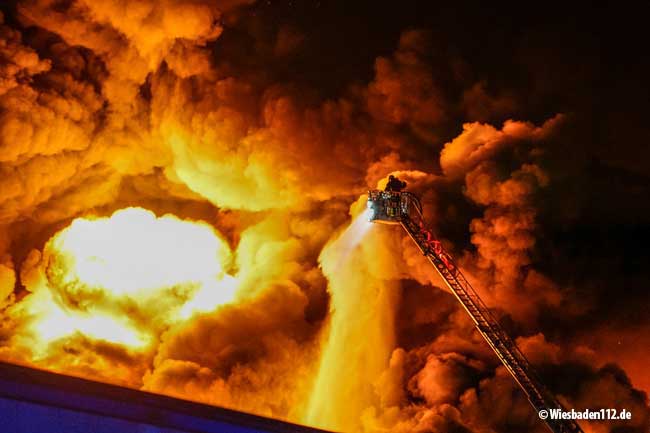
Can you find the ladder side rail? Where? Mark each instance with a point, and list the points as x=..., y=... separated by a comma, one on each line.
x=505, y=348
x=485, y=322
x=514, y=354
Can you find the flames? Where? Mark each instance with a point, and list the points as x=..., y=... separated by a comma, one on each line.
x=121, y=280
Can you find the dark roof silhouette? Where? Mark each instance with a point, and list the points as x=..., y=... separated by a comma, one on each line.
x=36, y=401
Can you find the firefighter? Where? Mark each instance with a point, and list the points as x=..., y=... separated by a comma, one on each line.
x=394, y=184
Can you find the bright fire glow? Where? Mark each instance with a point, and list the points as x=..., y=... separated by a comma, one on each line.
x=133, y=252
x=55, y=323
x=99, y=277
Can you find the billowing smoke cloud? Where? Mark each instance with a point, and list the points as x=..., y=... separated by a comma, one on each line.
x=295, y=308
x=505, y=236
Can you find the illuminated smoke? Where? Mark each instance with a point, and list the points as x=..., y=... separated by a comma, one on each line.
x=179, y=222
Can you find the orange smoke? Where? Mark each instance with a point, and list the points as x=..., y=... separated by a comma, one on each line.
x=174, y=219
